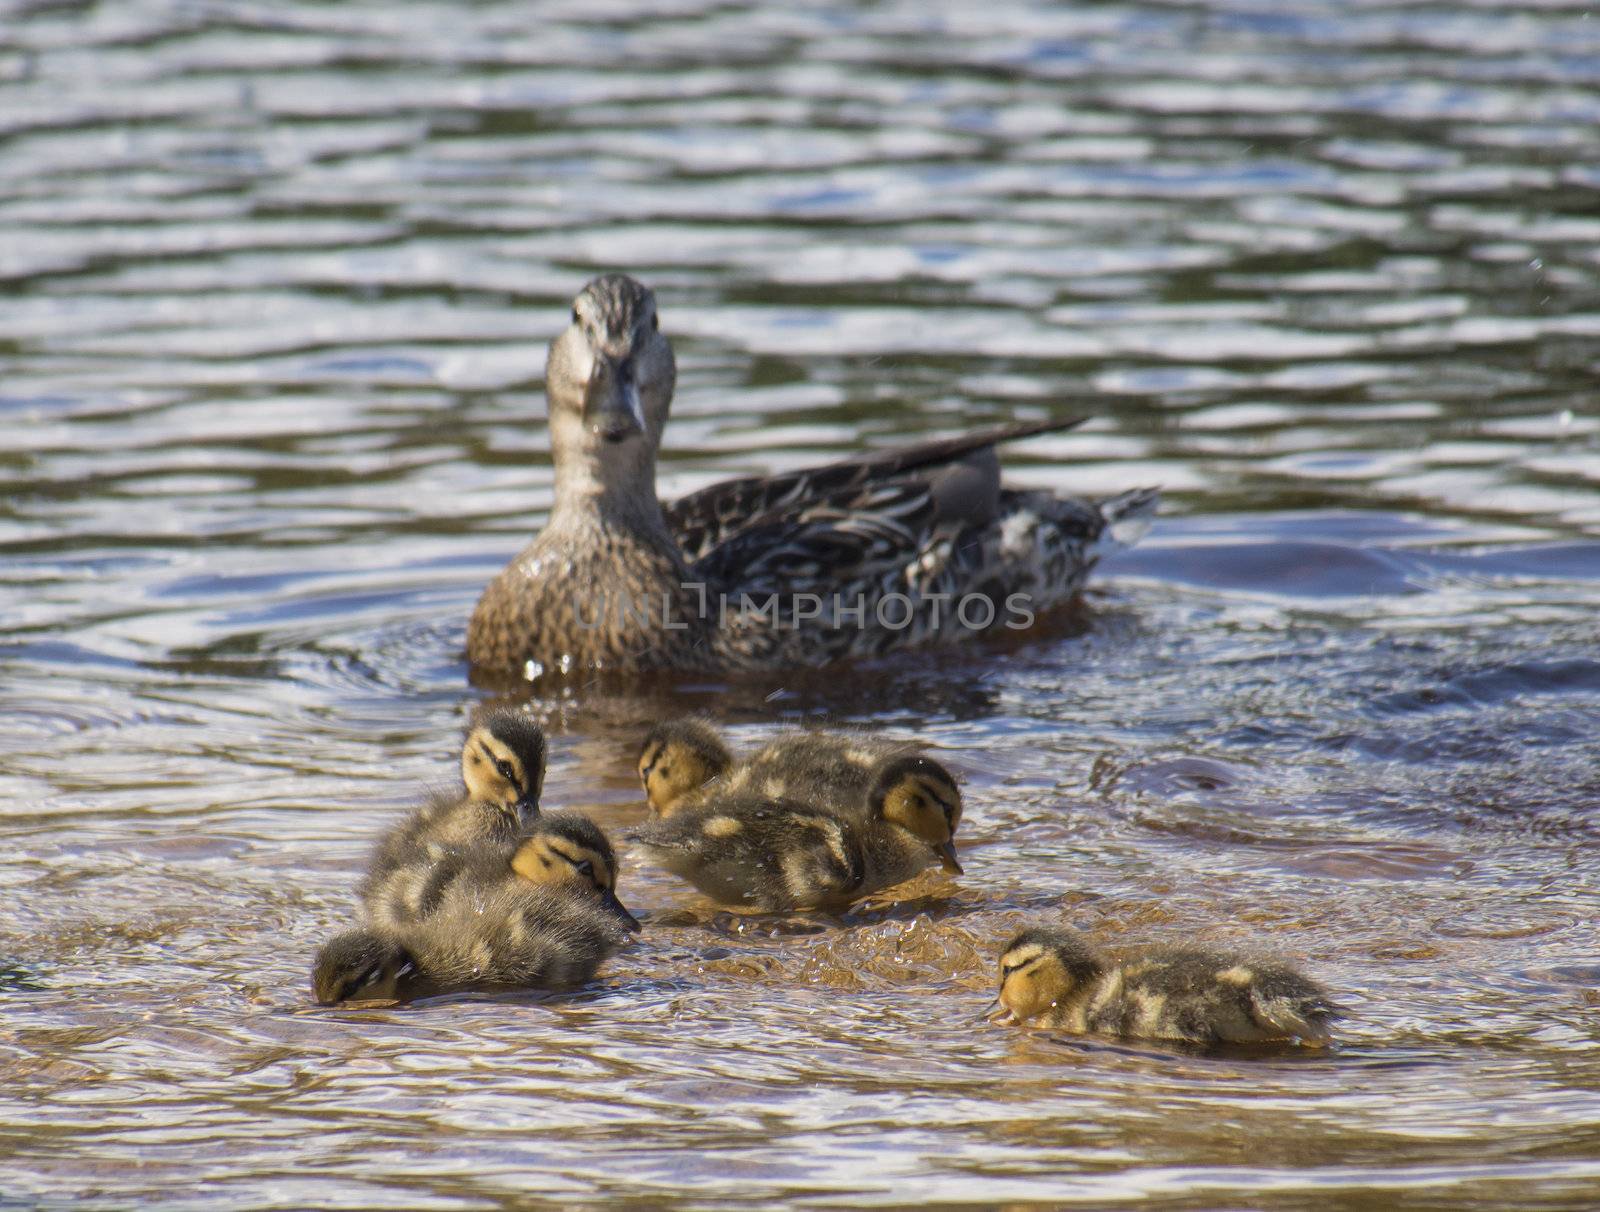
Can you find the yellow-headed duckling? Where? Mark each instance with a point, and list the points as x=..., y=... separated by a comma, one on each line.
x=832, y=770
x=502, y=774
x=546, y=915
x=773, y=854
x=1053, y=978
x=678, y=760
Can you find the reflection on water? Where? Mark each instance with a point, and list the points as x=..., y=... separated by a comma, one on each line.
x=279, y=280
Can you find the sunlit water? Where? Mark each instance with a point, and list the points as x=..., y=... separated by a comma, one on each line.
x=278, y=280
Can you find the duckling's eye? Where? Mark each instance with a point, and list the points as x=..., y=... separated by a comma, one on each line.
x=586, y=868
x=506, y=771
x=576, y=319
x=655, y=322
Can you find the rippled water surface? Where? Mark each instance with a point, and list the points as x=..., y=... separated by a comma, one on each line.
x=277, y=282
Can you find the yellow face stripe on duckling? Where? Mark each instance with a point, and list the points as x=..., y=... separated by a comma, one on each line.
x=546, y=860
x=492, y=772
x=1031, y=979
x=673, y=773
x=926, y=803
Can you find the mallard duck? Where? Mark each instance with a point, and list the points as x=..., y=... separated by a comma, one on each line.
x=882, y=551
x=774, y=853
x=677, y=761
x=502, y=774
x=544, y=915
x=1054, y=978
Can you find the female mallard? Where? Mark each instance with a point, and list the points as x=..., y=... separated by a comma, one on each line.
x=541, y=914
x=907, y=546
x=1055, y=978
x=755, y=851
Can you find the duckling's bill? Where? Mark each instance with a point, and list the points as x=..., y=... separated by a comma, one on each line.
x=998, y=1012
x=947, y=857
x=610, y=901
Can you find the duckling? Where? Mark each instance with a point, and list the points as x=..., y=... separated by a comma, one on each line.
x=676, y=762
x=908, y=546
x=1174, y=993
x=825, y=769
x=773, y=854
x=546, y=915
x=835, y=769
x=502, y=774
x=360, y=965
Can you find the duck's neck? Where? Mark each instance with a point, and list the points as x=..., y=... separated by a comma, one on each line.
x=615, y=498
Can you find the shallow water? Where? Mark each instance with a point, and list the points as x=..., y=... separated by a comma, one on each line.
x=278, y=281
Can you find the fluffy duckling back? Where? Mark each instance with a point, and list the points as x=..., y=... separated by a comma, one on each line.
x=774, y=854
x=1055, y=978
x=677, y=761
x=544, y=916
x=502, y=775
x=830, y=769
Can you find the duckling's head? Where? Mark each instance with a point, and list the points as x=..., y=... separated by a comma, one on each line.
x=677, y=759
x=610, y=377
x=502, y=761
x=921, y=796
x=567, y=850
x=358, y=964
x=1041, y=967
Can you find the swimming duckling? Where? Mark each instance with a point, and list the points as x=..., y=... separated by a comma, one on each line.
x=824, y=769
x=773, y=854
x=676, y=762
x=546, y=915
x=832, y=769
x=359, y=965
x=502, y=774
x=1054, y=977
x=929, y=524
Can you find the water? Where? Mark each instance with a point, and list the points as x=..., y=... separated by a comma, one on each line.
x=277, y=285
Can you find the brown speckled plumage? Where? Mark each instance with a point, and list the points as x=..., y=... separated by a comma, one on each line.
x=788, y=840
x=471, y=915
x=1053, y=978
x=930, y=522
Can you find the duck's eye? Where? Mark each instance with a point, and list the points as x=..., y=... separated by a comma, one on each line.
x=576, y=318
x=586, y=868
x=506, y=771
x=655, y=322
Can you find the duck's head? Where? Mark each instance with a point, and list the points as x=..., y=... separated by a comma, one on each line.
x=677, y=759
x=609, y=377
x=568, y=851
x=921, y=796
x=359, y=965
x=502, y=762
x=1039, y=968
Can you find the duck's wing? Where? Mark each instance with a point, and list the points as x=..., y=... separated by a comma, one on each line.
x=712, y=517
x=827, y=540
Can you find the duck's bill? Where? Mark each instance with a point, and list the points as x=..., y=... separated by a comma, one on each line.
x=527, y=808
x=998, y=1012
x=947, y=858
x=610, y=901
x=611, y=406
